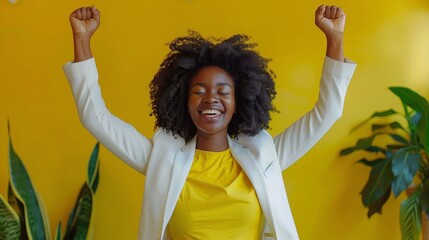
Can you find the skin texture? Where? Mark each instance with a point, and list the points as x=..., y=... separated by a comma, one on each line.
x=211, y=88
x=211, y=135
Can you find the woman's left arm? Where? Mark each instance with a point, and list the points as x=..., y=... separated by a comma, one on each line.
x=337, y=72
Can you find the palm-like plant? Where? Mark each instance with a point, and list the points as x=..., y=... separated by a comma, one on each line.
x=400, y=163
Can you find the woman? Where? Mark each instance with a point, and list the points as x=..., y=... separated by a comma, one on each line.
x=212, y=171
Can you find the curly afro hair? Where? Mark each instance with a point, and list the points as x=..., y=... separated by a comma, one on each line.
x=253, y=80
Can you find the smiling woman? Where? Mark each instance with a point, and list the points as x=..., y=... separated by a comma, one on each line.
x=212, y=171
x=211, y=104
x=194, y=58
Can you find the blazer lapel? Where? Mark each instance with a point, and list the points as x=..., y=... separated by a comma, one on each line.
x=255, y=173
x=181, y=166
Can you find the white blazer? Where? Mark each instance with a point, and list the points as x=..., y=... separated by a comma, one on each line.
x=166, y=159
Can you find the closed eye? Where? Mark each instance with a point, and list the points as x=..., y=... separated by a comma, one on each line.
x=224, y=90
x=198, y=90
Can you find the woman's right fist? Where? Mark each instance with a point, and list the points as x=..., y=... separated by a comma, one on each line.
x=84, y=21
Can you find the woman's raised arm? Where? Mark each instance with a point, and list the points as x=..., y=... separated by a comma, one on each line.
x=118, y=136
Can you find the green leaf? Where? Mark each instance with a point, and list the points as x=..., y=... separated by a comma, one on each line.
x=24, y=191
x=419, y=104
x=93, y=179
x=365, y=143
x=399, y=138
x=71, y=218
x=347, y=151
x=9, y=222
x=375, y=149
x=377, y=206
x=372, y=149
x=379, y=181
x=384, y=113
x=424, y=198
x=405, y=165
x=410, y=216
x=374, y=115
x=96, y=180
x=392, y=125
x=58, y=232
x=44, y=215
x=80, y=225
x=415, y=119
x=371, y=163
x=394, y=146
x=93, y=167
x=18, y=206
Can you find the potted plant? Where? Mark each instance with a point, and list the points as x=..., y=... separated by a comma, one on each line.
x=23, y=216
x=401, y=164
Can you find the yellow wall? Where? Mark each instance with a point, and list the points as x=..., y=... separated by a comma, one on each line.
x=388, y=39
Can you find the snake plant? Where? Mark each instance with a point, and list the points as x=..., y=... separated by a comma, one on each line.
x=23, y=216
x=401, y=162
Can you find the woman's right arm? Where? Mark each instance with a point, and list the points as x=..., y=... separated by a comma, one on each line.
x=118, y=136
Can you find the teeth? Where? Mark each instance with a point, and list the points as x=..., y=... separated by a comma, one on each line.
x=210, y=112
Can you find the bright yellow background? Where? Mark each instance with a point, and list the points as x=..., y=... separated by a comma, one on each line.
x=388, y=39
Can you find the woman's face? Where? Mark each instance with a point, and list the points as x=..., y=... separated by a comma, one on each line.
x=211, y=100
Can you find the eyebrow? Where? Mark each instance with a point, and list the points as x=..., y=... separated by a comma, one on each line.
x=220, y=84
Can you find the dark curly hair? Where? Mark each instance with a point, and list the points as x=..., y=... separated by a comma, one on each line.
x=253, y=80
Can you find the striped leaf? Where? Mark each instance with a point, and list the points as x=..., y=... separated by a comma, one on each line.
x=80, y=223
x=93, y=167
x=18, y=206
x=58, y=232
x=24, y=191
x=44, y=214
x=410, y=217
x=10, y=228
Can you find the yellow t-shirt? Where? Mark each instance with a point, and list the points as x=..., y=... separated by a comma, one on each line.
x=217, y=202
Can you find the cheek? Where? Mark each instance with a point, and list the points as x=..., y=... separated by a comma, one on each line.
x=192, y=103
x=231, y=104
x=233, y=101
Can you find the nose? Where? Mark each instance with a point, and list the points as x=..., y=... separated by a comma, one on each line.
x=211, y=97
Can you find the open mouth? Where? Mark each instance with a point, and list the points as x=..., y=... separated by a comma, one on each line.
x=210, y=113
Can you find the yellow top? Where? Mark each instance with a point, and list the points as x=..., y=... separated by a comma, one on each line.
x=217, y=202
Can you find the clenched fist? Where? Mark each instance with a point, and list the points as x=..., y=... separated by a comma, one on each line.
x=330, y=19
x=84, y=21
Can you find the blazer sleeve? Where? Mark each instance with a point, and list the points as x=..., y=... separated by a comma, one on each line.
x=119, y=137
x=298, y=138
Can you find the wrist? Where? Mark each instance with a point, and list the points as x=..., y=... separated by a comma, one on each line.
x=81, y=37
x=82, y=48
x=335, y=49
x=335, y=37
